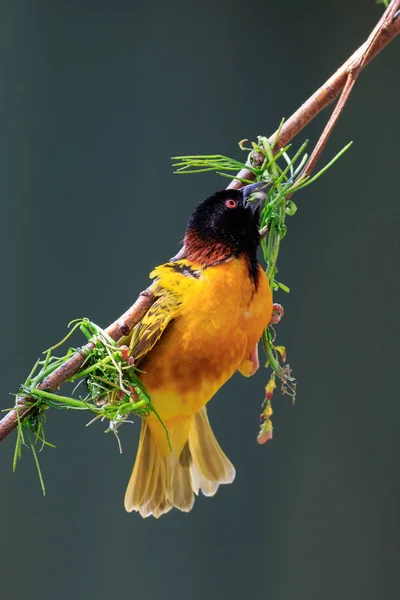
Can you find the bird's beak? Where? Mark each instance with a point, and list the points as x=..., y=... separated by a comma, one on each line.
x=258, y=191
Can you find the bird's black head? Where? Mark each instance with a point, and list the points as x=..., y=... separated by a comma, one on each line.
x=225, y=225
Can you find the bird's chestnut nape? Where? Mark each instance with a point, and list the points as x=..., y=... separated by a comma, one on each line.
x=225, y=225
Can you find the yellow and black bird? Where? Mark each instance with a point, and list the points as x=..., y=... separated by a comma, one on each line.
x=210, y=311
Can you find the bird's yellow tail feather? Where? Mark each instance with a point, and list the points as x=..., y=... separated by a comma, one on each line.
x=210, y=466
x=159, y=483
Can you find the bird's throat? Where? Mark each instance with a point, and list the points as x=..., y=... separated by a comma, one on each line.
x=204, y=252
x=209, y=253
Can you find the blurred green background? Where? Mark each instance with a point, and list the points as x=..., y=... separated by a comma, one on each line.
x=95, y=99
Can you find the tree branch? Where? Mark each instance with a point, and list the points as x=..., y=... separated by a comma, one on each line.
x=122, y=326
x=384, y=32
x=341, y=82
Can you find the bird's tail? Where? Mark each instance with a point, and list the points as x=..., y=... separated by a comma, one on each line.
x=159, y=483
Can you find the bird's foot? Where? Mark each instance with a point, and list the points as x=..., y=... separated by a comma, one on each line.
x=277, y=313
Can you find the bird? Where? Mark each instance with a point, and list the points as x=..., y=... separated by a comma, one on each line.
x=211, y=307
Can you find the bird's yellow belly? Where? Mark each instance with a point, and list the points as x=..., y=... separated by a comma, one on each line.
x=203, y=348
x=181, y=381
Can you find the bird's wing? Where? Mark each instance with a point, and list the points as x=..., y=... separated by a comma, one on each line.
x=147, y=333
x=171, y=281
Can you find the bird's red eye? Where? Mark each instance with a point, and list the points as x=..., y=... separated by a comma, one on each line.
x=230, y=203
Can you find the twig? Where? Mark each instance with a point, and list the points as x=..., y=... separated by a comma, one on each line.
x=123, y=326
x=342, y=81
x=354, y=69
x=384, y=32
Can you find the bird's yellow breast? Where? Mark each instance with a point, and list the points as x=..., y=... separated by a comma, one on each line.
x=222, y=316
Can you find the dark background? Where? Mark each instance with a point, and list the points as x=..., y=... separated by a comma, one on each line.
x=95, y=98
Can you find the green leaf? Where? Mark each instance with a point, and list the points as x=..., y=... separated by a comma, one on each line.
x=38, y=469
x=283, y=287
x=291, y=208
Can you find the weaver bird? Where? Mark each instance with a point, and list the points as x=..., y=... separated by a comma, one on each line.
x=211, y=309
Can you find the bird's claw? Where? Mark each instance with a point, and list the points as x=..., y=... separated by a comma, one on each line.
x=277, y=313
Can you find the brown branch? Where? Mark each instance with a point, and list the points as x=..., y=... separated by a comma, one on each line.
x=123, y=326
x=353, y=71
x=342, y=81
x=384, y=32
